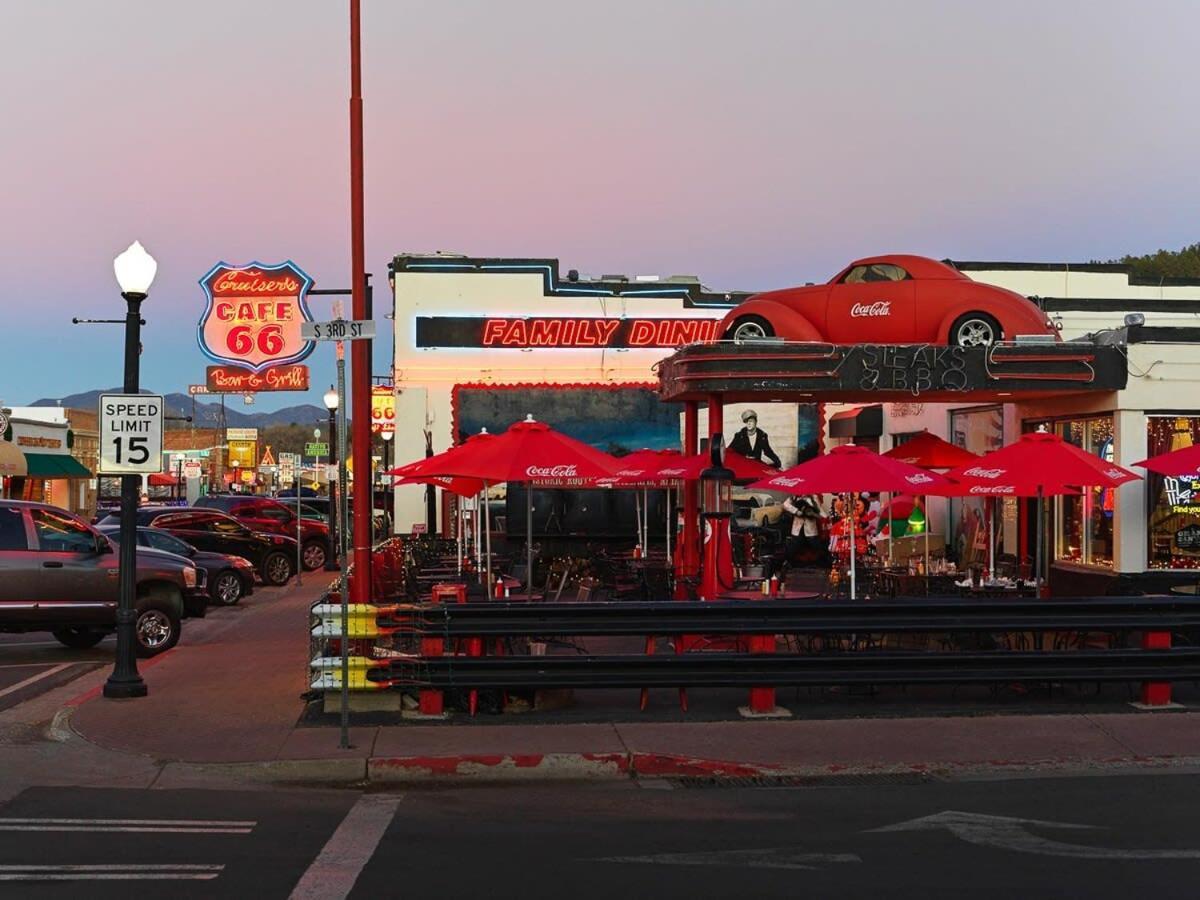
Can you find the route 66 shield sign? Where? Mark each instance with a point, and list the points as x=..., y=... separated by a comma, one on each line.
x=253, y=314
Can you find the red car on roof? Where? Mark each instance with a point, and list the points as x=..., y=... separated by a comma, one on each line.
x=896, y=299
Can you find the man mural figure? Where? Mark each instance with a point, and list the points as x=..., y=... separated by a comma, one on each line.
x=752, y=442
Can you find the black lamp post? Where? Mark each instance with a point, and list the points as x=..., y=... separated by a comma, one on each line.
x=135, y=269
x=331, y=404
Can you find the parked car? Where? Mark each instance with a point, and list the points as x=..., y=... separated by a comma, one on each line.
x=268, y=515
x=273, y=555
x=380, y=520
x=230, y=578
x=896, y=299
x=59, y=574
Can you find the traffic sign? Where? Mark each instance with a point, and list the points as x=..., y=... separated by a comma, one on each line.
x=321, y=449
x=131, y=434
x=338, y=330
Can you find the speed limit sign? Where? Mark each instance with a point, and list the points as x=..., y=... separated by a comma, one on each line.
x=131, y=434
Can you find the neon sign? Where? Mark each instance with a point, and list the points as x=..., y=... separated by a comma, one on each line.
x=564, y=332
x=253, y=314
x=236, y=380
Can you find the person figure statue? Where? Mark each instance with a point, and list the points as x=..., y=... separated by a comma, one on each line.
x=752, y=442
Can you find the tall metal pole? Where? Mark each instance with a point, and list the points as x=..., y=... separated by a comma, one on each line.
x=125, y=680
x=360, y=373
x=336, y=525
x=360, y=573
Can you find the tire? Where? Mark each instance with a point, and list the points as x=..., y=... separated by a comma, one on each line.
x=227, y=588
x=975, y=329
x=314, y=555
x=277, y=569
x=78, y=638
x=157, y=630
x=749, y=328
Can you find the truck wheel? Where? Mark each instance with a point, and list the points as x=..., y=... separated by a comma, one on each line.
x=314, y=556
x=750, y=328
x=227, y=588
x=277, y=569
x=78, y=638
x=157, y=630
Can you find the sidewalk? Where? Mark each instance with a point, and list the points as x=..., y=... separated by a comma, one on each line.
x=234, y=698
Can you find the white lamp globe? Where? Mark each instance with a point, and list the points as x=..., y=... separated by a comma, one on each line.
x=331, y=399
x=135, y=270
x=387, y=435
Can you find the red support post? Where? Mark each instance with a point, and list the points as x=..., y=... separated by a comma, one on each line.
x=690, y=540
x=1156, y=693
x=431, y=702
x=762, y=699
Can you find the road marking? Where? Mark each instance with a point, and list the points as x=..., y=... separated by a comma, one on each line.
x=333, y=873
x=1007, y=833
x=53, y=670
x=152, y=826
x=764, y=858
x=112, y=872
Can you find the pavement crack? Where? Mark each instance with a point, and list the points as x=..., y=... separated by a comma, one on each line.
x=1112, y=736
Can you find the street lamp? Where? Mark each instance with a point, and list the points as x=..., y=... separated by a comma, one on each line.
x=331, y=404
x=135, y=269
x=387, y=439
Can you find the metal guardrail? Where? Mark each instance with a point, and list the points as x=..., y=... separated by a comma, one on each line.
x=493, y=620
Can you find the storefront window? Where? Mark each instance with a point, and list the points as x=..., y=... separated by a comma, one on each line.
x=1174, y=519
x=980, y=431
x=1083, y=523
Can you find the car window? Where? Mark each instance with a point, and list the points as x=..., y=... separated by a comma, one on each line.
x=875, y=272
x=60, y=533
x=225, y=525
x=12, y=529
x=271, y=512
x=185, y=521
x=160, y=540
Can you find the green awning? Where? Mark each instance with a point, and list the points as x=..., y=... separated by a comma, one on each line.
x=54, y=465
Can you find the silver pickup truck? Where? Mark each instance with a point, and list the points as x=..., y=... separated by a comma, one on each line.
x=58, y=574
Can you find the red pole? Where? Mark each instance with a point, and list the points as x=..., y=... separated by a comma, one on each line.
x=690, y=550
x=360, y=372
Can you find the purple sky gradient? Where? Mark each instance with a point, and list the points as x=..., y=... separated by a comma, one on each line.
x=757, y=144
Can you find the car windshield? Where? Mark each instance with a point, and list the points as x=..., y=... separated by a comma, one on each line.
x=160, y=540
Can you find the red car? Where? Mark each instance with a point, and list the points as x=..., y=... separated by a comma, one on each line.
x=890, y=300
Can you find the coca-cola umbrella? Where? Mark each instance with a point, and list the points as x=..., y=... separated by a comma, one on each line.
x=1176, y=464
x=1040, y=465
x=928, y=451
x=690, y=468
x=854, y=468
x=534, y=453
x=638, y=470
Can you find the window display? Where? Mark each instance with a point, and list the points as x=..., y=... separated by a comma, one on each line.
x=980, y=431
x=1174, y=514
x=1084, y=522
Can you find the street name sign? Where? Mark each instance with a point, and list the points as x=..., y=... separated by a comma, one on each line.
x=131, y=434
x=338, y=330
x=316, y=449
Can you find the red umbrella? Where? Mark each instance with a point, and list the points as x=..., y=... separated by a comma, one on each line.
x=463, y=487
x=443, y=463
x=1182, y=462
x=690, y=468
x=638, y=470
x=1037, y=465
x=530, y=452
x=854, y=468
x=931, y=452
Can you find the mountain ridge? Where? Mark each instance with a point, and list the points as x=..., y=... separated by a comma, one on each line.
x=207, y=414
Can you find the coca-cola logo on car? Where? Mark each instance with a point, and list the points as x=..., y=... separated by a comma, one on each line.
x=552, y=472
x=871, y=310
x=980, y=472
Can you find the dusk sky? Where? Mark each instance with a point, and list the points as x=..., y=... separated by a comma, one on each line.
x=756, y=144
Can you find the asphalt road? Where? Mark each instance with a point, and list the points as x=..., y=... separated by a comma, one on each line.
x=33, y=663
x=1104, y=837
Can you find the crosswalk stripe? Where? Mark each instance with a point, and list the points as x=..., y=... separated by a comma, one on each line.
x=53, y=670
x=333, y=873
x=140, y=829
x=112, y=872
x=190, y=823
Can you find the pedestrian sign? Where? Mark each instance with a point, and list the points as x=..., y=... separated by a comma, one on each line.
x=131, y=434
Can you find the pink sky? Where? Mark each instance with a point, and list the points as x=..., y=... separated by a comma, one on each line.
x=753, y=143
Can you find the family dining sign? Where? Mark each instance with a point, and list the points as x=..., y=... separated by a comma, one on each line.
x=563, y=332
x=251, y=327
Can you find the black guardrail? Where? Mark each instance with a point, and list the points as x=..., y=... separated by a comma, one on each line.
x=749, y=670
x=902, y=615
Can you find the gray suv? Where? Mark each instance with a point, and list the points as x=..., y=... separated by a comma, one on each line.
x=58, y=574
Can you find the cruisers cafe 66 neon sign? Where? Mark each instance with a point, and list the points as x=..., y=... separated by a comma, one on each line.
x=253, y=315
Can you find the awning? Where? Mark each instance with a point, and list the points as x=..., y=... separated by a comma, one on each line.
x=162, y=479
x=12, y=460
x=54, y=465
x=866, y=421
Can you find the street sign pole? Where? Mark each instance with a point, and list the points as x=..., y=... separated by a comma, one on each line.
x=344, y=518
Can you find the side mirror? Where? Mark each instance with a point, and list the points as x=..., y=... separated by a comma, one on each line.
x=103, y=545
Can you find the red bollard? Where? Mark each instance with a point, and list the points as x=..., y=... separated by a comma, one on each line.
x=1156, y=693
x=431, y=702
x=762, y=699
x=645, y=699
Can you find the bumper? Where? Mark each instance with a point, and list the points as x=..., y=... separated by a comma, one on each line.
x=195, y=602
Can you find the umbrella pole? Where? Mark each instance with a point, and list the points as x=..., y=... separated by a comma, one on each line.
x=890, y=520
x=850, y=519
x=646, y=521
x=487, y=527
x=637, y=514
x=458, y=522
x=1041, y=515
x=670, y=522
x=992, y=538
x=529, y=538
x=925, y=504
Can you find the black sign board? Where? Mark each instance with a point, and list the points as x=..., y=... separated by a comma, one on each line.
x=1188, y=537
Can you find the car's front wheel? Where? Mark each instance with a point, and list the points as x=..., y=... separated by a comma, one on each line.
x=227, y=588
x=78, y=638
x=974, y=330
x=750, y=328
x=277, y=569
x=314, y=556
x=157, y=630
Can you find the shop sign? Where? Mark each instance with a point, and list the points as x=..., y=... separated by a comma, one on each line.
x=254, y=313
x=192, y=468
x=242, y=434
x=25, y=440
x=236, y=380
x=244, y=453
x=1188, y=537
x=1183, y=494
x=3, y=422
x=194, y=389
x=383, y=408
x=564, y=332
